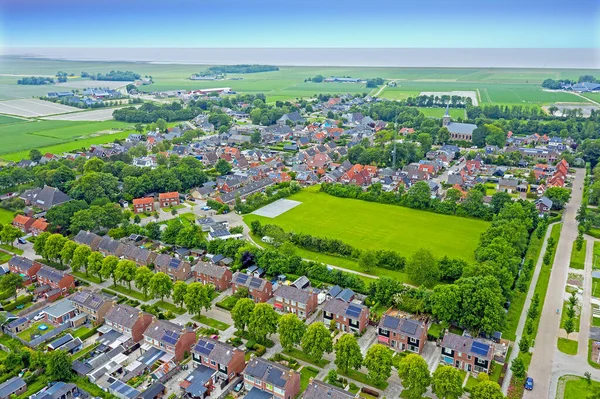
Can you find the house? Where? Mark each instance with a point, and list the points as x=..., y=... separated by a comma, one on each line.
x=107, y=246
x=320, y=390
x=543, y=205
x=39, y=226
x=225, y=359
x=55, y=279
x=60, y=390
x=406, y=131
x=128, y=320
x=25, y=267
x=209, y=273
x=23, y=223
x=60, y=312
x=86, y=238
x=166, y=200
x=155, y=391
x=44, y=198
x=139, y=255
x=402, y=334
x=94, y=304
x=245, y=191
x=289, y=299
x=293, y=117
x=466, y=353
x=346, y=294
x=170, y=337
x=259, y=290
x=143, y=205
x=508, y=185
x=348, y=317
x=271, y=378
x=458, y=131
x=177, y=269
x=14, y=386
x=18, y=325
x=199, y=384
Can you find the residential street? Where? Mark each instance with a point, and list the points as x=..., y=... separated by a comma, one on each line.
x=546, y=359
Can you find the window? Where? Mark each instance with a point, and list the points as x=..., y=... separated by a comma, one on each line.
x=269, y=387
x=213, y=363
x=468, y=357
x=413, y=340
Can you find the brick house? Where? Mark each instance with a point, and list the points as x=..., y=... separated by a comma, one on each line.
x=348, y=316
x=271, y=378
x=320, y=390
x=107, y=246
x=209, y=273
x=543, y=205
x=402, y=334
x=170, y=337
x=177, y=269
x=23, y=223
x=466, y=353
x=14, y=386
x=140, y=256
x=39, y=226
x=128, y=320
x=86, y=238
x=259, y=290
x=60, y=312
x=55, y=279
x=166, y=200
x=26, y=267
x=94, y=304
x=289, y=299
x=143, y=205
x=226, y=360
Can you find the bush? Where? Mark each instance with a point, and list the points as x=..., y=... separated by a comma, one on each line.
x=20, y=301
x=260, y=350
x=250, y=344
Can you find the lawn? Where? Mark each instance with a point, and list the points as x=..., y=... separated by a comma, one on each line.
x=6, y=216
x=496, y=372
x=455, y=113
x=90, y=278
x=4, y=257
x=170, y=307
x=471, y=382
x=81, y=331
x=362, y=378
x=228, y=303
x=130, y=292
x=596, y=254
x=578, y=257
x=300, y=355
x=219, y=325
x=5, y=120
x=577, y=387
x=13, y=249
x=379, y=226
x=596, y=287
x=306, y=373
x=34, y=328
x=567, y=346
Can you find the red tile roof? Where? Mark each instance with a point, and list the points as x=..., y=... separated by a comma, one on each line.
x=171, y=195
x=143, y=201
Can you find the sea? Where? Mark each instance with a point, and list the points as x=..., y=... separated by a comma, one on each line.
x=569, y=58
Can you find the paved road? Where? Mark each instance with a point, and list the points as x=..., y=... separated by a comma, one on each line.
x=519, y=333
x=541, y=368
x=444, y=176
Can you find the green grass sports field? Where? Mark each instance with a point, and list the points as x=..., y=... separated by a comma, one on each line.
x=369, y=225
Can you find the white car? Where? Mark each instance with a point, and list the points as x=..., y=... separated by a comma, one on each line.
x=38, y=316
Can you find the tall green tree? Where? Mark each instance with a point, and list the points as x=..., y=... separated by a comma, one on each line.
x=58, y=366
x=367, y=260
x=414, y=373
x=10, y=283
x=179, y=291
x=95, y=264
x=446, y=382
x=142, y=278
x=197, y=297
x=241, y=313
x=39, y=245
x=160, y=285
x=263, y=322
x=291, y=330
x=422, y=268
x=347, y=353
x=125, y=271
x=486, y=390
x=53, y=247
x=378, y=361
x=80, y=258
x=67, y=251
x=109, y=266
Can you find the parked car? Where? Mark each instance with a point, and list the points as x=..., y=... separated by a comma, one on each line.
x=206, y=208
x=38, y=317
x=529, y=383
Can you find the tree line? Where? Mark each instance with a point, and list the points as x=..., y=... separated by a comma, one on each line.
x=151, y=112
x=35, y=80
x=119, y=76
x=242, y=68
x=271, y=194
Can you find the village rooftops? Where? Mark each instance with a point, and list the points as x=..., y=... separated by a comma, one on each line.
x=319, y=390
x=251, y=282
x=214, y=350
x=402, y=326
x=90, y=299
x=50, y=274
x=341, y=308
x=269, y=372
x=123, y=315
x=248, y=189
x=467, y=345
x=292, y=293
x=210, y=269
x=165, y=331
x=20, y=263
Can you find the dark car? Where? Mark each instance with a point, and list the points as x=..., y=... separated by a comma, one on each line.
x=529, y=383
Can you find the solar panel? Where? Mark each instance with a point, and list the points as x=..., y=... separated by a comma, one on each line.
x=255, y=283
x=480, y=348
x=169, y=340
x=174, y=263
x=353, y=311
x=242, y=278
x=409, y=327
x=391, y=322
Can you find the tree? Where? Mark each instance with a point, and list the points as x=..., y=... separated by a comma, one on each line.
x=378, y=361
x=9, y=234
x=291, y=330
x=189, y=237
x=517, y=367
x=95, y=264
x=240, y=314
x=263, y=322
x=35, y=155
x=39, y=245
x=422, y=268
x=347, y=353
x=486, y=390
x=559, y=196
x=500, y=199
x=93, y=165
x=524, y=344
x=569, y=326
x=415, y=376
x=142, y=278
x=367, y=261
x=446, y=382
x=58, y=366
x=425, y=140
x=223, y=167
x=125, y=271
x=80, y=258
x=11, y=283
x=66, y=253
x=197, y=296
x=179, y=291
x=109, y=265
x=53, y=247
x=160, y=285
x=161, y=124
x=443, y=135
x=255, y=137
x=95, y=185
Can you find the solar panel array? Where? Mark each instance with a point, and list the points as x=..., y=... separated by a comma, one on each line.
x=353, y=311
x=82, y=296
x=255, y=283
x=170, y=337
x=391, y=322
x=95, y=303
x=409, y=327
x=174, y=263
x=204, y=347
x=480, y=348
x=242, y=278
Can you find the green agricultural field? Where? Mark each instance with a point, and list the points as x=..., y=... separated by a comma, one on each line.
x=455, y=113
x=6, y=216
x=7, y=120
x=592, y=96
x=19, y=138
x=369, y=225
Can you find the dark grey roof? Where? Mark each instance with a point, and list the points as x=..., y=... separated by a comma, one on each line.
x=402, y=326
x=17, y=322
x=545, y=201
x=319, y=390
x=155, y=390
x=292, y=293
x=109, y=245
x=248, y=189
x=57, y=343
x=467, y=345
x=90, y=299
x=51, y=274
x=20, y=262
x=46, y=197
x=508, y=182
x=160, y=330
x=56, y=391
x=272, y=373
x=123, y=315
x=214, y=350
x=210, y=269
x=87, y=238
x=11, y=386
x=256, y=393
x=253, y=283
x=198, y=379
x=461, y=128
x=81, y=368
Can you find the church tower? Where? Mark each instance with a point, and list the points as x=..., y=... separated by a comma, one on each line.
x=446, y=118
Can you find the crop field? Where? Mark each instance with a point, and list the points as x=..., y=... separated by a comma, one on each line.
x=17, y=139
x=33, y=108
x=369, y=225
x=7, y=120
x=592, y=96
x=455, y=113
x=104, y=114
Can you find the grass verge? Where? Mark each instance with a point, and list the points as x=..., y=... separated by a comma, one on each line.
x=578, y=257
x=362, y=378
x=129, y=292
x=299, y=355
x=219, y=325
x=567, y=346
x=169, y=306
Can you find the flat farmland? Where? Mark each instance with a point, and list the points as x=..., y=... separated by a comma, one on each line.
x=33, y=108
x=97, y=115
x=368, y=225
x=455, y=113
x=22, y=137
x=7, y=120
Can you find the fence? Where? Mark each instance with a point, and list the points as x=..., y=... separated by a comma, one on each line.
x=42, y=338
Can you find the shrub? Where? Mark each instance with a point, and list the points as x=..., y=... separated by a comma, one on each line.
x=250, y=344
x=260, y=350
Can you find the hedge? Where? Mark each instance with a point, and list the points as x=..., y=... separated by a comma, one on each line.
x=20, y=301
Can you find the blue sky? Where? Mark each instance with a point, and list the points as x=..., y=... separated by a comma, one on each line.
x=300, y=23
